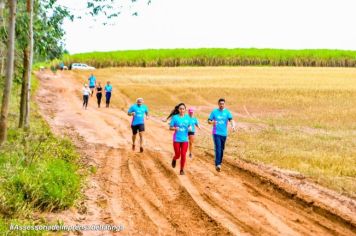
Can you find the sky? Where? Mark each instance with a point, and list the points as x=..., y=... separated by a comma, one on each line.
x=286, y=24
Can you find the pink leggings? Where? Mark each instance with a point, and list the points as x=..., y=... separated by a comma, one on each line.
x=180, y=150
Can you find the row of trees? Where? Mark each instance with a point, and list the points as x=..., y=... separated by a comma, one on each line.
x=27, y=21
x=34, y=31
x=12, y=4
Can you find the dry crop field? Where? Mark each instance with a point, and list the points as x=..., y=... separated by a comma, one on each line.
x=301, y=119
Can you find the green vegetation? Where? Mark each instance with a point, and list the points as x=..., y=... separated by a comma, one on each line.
x=38, y=171
x=216, y=57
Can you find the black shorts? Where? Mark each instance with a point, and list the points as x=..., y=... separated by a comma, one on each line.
x=137, y=128
x=191, y=133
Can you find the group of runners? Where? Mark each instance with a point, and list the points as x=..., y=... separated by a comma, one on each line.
x=184, y=126
x=88, y=90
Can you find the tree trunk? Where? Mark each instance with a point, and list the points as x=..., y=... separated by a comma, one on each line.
x=2, y=46
x=2, y=64
x=23, y=90
x=29, y=65
x=9, y=72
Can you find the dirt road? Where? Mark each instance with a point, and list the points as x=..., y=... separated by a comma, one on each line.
x=147, y=196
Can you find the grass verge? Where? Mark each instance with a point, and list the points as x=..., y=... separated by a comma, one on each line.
x=38, y=170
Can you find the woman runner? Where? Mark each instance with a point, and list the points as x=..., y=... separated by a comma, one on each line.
x=180, y=123
x=99, y=93
x=86, y=92
x=193, y=122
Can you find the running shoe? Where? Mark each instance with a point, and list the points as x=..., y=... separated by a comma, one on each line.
x=181, y=172
x=141, y=149
x=174, y=163
x=133, y=147
x=218, y=168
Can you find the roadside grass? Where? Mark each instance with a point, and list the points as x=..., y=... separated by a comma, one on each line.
x=216, y=57
x=38, y=170
x=302, y=119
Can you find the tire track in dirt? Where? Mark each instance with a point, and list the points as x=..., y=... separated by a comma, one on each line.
x=143, y=193
x=261, y=201
x=192, y=215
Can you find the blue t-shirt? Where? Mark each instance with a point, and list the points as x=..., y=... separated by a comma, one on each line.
x=193, y=122
x=183, y=123
x=221, y=117
x=139, y=116
x=92, y=80
x=108, y=88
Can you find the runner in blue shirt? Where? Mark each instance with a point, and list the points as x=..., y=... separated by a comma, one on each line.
x=92, y=83
x=219, y=118
x=138, y=112
x=194, y=123
x=108, y=90
x=180, y=123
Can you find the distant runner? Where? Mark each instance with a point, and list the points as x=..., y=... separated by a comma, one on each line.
x=138, y=112
x=108, y=90
x=86, y=91
x=193, y=122
x=219, y=118
x=92, y=83
x=180, y=123
x=99, y=93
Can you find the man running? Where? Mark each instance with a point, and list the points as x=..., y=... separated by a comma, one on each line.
x=108, y=90
x=92, y=83
x=219, y=118
x=138, y=112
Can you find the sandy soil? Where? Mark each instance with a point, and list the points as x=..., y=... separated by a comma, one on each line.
x=142, y=192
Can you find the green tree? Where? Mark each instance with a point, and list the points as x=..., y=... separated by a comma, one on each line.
x=48, y=31
x=9, y=71
x=27, y=59
x=2, y=44
x=47, y=24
